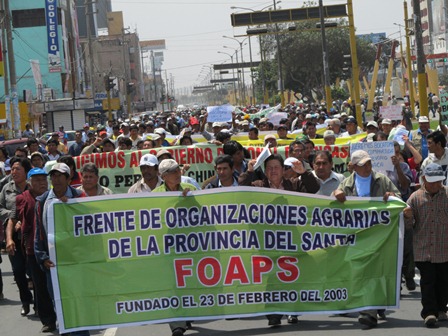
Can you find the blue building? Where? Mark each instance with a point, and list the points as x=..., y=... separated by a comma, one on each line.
x=38, y=28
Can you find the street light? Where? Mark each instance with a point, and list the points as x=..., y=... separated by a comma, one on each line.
x=261, y=51
x=233, y=74
x=242, y=61
x=238, y=74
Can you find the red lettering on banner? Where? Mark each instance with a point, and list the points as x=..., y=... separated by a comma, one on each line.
x=101, y=160
x=134, y=160
x=202, y=271
x=181, y=270
x=208, y=155
x=190, y=155
x=111, y=160
x=182, y=156
x=236, y=272
x=290, y=272
x=199, y=155
x=220, y=150
x=121, y=160
x=260, y=265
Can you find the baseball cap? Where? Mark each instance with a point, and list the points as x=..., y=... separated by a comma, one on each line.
x=372, y=123
x=167, y=166
x=61, y=167
x=360, y=157
x=282, y=126
x=433, y=172
x=386, y=121
x=423, y=119
x=125, y=124
x=159, y=131
x=149, y=160
x=216, y=124
x=155, y=137
x=270, y=136
x=328, y=134
x=163, y=152
x=86, y=125
x=350, y=120
x=103, y=133
x=36, y=171
x=38, y=154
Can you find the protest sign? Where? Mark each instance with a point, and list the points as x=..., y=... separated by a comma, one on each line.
x=275, y=117
x=380, y=153
x=118, y=171
x=398, y=135
x=228, y=253
x=392, y=112
x=221, y=113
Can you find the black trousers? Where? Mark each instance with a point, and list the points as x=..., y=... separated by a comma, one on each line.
x=434, y=289
x=18, y=264
x=42, y=299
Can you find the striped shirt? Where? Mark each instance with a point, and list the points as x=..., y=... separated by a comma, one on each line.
x=430, y=225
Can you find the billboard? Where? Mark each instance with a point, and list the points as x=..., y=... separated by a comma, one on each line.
x=152, y=45
x=51, y=17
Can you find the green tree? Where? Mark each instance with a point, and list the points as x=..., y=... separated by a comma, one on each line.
x=302, y=60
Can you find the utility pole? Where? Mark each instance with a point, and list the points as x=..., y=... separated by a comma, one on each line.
x=89, y=14
x=325, y=57
x=125, y=74
x=356, y=97
x=408, y=60
x=279, y=60
x=153, y=66
x=12, y=72
x=421, y=60
x=6, y=69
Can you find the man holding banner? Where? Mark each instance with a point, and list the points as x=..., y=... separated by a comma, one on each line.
x=364, y=182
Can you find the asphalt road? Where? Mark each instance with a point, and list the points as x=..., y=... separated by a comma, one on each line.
x=405, y=321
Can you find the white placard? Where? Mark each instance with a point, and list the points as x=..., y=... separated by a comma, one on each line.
x=380, y=152
x=275, y=117
x=392, y=112
x=398, y=136
x=221, y=113
x=262, y=157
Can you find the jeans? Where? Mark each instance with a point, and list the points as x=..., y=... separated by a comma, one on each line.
x=433, y=286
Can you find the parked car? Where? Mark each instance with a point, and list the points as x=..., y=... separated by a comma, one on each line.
x=70, y=138
x=11, y=145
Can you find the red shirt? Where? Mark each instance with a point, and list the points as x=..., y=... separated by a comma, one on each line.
x=25, y=203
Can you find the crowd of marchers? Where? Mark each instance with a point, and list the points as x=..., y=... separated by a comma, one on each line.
x=418, y=178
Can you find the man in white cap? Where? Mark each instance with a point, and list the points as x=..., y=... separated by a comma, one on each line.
x=149, y=168
x=162, y=132
x=60, y=180
x=386, y=126
x=418, y=136
x=329, y=138
x=270, y=139
x=365, y=182
x=427, y=208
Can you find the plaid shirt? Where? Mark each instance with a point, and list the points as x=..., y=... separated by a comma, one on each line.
x=430, y=225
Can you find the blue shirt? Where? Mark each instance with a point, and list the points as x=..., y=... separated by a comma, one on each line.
x=362, y=185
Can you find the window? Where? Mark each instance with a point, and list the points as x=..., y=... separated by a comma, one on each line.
x=31, y=18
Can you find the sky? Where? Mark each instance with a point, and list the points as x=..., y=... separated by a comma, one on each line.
x=194, y=29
